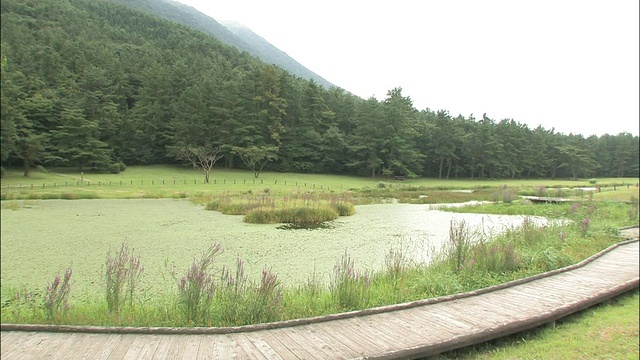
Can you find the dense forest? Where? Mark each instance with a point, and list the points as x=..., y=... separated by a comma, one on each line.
x=95, y=84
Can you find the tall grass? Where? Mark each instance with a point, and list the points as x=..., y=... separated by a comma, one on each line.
x=57, y=295
x=298, y=209
x=122, y=273
x=197, y=287
x=349, y=286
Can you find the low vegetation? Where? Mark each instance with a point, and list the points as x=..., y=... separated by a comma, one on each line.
x=305, y=209
x=209, y=293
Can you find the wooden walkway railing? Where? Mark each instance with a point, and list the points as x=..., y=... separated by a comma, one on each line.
x=410, y=330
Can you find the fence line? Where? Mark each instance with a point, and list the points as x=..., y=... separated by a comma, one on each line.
x=88, y=184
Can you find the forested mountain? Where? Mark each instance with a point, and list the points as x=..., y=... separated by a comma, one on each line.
x=240, y=37
x=93, y=83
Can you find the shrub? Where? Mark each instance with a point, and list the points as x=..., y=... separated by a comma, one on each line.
x=508, y=196
x=345, y=209
x=381, y=185
x=593, y=181
x=114, y=168
x=541, y=191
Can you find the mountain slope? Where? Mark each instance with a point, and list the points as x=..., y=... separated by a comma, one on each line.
x=239, y=37
x=269, y=53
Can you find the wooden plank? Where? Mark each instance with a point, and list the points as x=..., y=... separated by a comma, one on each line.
x=133, y=352
x=81, y=347
x=421, y=322
x=485, y=315
x=190, y=347
x=225, y=347
x=393, y=335
x=264, y=347
x=439, y=320
x=86, y=346
x=10, y=339
x=517, y=306
x=120, y=345
x=30, y=344
x=23, y=341
x=146, y=348
x=58, y=346
x=559, y=292
x=13, y=340
x=165, y=344
x=269, y=345
x=347, y=333
x=247, y=346
x=293, y=340
x=175, y=348
x=466, y=317
x=336, y=349
x=411, y=335
x=108, y=346
x=48, y=344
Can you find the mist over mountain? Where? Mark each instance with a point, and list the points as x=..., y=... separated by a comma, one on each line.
x=262, y=49
x=234, y=34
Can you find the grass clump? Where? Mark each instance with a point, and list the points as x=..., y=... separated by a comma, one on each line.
x=56, y=296
x=349, y=287
x=298, y=216
x=197, y=287
x=122, y=273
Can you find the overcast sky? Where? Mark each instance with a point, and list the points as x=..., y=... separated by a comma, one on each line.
x=563, y=64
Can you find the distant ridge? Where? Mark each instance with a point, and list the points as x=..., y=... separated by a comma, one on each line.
x=266, y=52
x=236, y=35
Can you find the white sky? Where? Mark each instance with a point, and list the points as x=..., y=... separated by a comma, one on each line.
x=572, y=65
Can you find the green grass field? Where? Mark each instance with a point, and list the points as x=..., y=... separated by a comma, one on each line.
x=164, y=181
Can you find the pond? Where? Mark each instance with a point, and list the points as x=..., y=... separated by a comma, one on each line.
x=42, y=238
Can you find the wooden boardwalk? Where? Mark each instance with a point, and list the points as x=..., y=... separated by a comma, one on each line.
x=410, y=330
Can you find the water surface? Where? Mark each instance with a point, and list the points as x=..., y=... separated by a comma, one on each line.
x=41, y=239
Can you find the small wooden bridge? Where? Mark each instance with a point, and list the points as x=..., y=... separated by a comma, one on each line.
x=409, y=330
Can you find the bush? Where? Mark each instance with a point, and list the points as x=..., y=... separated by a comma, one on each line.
x=114, y=168
x=593, y=181
x=345, y=209
x=382, y=185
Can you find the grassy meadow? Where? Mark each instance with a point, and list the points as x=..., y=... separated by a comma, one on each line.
x=209, y=287
x=164, y=181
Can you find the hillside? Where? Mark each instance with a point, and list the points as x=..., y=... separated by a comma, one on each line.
x=96, y=85
x=235, y=35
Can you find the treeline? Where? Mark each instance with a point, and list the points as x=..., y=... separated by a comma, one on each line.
x=96, y=85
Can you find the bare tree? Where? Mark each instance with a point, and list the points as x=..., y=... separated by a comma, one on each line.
x=256, y=157
x=201, y=157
